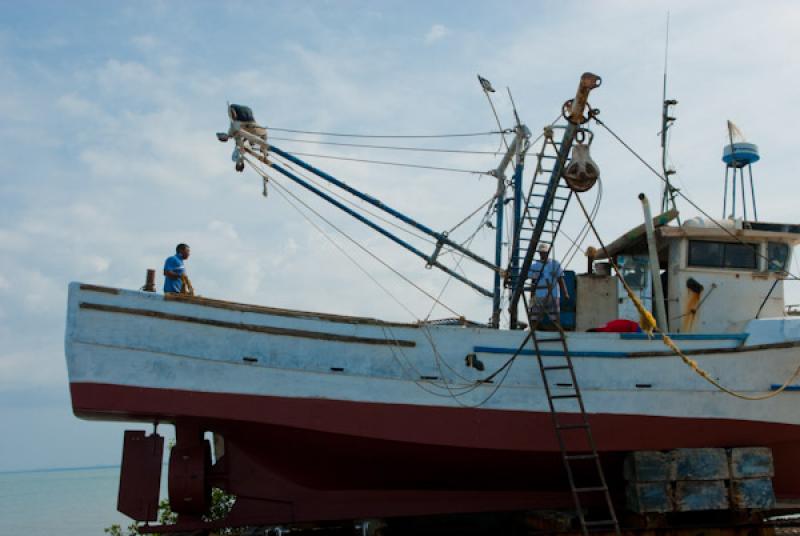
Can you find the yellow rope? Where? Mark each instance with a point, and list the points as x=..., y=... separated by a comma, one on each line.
x=648, y=325
x=703, y=374
x=646, y=320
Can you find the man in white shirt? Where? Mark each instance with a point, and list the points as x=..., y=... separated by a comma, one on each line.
x=546, y=297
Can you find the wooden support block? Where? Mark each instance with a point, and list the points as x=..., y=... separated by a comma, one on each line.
x=649, y=497
x=751, y=462
x=752, y=493
x=649, y=466
x=692, y=496
x=701, y=464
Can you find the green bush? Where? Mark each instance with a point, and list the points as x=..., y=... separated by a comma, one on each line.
x=221, y=504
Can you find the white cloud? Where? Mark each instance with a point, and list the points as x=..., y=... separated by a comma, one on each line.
x=74, y=104
x=144, y=42
x=124, y=77
x=224, y=228
x=12, y=241
x=436, y=33
x=18, y=370
x=98, y=264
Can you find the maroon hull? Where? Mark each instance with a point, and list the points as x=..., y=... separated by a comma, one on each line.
x=367, y=459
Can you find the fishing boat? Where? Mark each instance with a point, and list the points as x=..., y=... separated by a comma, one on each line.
x=318, y=416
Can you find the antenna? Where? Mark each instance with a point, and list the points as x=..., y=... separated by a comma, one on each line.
x=487, y=88
x=513, y=107
x=669, y=192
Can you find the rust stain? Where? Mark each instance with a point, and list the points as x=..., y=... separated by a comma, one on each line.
x=286, y=332
x=246, y=308
x=690, y=311
x=97, y=288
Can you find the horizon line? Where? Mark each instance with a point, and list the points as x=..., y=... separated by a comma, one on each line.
x=56, y=469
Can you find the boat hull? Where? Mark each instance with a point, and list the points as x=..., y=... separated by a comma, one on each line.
x=334, y=418
x=337, y=445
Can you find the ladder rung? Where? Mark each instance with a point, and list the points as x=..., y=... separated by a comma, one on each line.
x=553, y=397
x=572, y=426
x=555, y=197
x=557, y=367
x=580, y=456
x=591, y=489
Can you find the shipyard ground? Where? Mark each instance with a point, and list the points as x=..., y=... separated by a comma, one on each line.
x=719, y=523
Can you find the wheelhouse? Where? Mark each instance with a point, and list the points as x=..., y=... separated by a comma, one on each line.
x=715, y=278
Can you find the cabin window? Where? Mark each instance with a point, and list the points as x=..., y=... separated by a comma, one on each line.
x=777, y=256
x=634, y=271
x=723, y=255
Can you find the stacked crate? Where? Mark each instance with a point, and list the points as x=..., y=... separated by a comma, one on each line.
x=690, y=480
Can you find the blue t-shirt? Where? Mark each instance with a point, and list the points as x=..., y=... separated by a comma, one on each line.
x=174, y=264
x=548, y=283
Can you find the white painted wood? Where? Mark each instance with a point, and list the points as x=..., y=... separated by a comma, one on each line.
x=135, y=350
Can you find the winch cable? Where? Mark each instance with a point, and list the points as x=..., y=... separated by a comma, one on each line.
x=648, y=325
x=686, y=198
x=486, y=203
x=391, y=136
x=466, y=244
x=389, y=163
x=453, y=390
x=280, y=189
x=468, y=240
x=445, y=249
x=496, y=117
x=354, y=204
x=584, y=231
x=387, y=147
x=371, y=224
x=354, y=241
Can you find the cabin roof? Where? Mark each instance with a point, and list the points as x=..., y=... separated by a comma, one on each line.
x=743, y=230
x=635, y=240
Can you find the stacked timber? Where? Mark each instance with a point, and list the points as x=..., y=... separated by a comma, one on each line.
x=649, y=476
x=752, y=470
x=702, y=479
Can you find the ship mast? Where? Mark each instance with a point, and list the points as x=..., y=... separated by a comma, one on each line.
x=516, y=151
x=669, y=192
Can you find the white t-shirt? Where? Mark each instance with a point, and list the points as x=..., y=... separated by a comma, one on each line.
x=551, y=272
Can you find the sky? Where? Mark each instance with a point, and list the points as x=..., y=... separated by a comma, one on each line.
x=108, y=156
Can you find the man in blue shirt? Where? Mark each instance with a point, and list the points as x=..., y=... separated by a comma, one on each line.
x=546, y=298
x=174, y=270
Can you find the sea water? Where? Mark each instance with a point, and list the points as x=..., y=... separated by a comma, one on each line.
x=60, y=502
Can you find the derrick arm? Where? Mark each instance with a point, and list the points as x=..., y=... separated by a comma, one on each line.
x=588, y=82
x=259, y=150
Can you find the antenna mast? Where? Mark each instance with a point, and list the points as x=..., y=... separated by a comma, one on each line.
x=669, y=192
